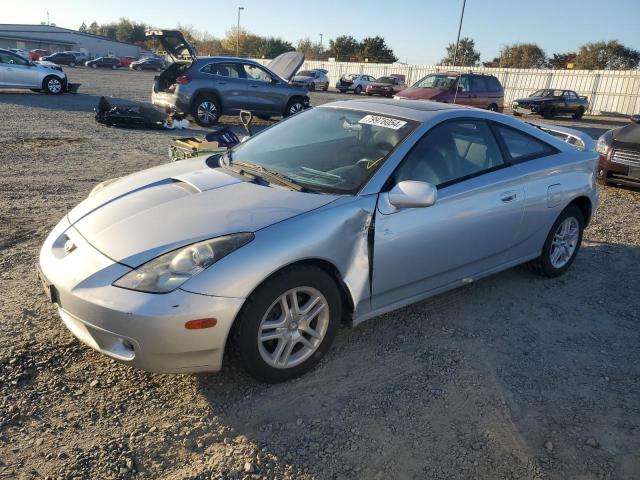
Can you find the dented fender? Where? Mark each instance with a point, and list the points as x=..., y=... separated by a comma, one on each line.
x=338, y=233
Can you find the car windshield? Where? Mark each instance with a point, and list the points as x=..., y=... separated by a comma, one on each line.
x=441, y=82
x=306, y=73
x=547, y=93
x=327, y=150
x=389, y=80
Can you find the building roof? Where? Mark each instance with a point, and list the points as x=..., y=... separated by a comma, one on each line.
x=8, y=28
x=11, y=36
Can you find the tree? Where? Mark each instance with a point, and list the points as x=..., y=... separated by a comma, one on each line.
x=560, y=60
x=94, y=28
x=610, y=55
x=344, y=49
x=376, y=50
x=83, y=28
x=492, y=63
x=311, y=50
x=467, y=55
x=522, y=55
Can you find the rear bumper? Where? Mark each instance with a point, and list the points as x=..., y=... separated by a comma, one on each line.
x=170, y=102
x=143, y=330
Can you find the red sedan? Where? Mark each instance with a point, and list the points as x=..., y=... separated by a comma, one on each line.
x=126, y=61
x=37, y=54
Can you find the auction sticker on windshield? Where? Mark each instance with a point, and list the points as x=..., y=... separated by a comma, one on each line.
x=385, y=122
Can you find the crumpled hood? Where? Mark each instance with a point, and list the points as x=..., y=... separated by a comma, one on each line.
x=301, y=78
x=417, y=93
x=143, y=215
x=534, y=99
x=627, y=137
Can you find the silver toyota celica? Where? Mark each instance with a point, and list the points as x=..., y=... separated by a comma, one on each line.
x=339, y=213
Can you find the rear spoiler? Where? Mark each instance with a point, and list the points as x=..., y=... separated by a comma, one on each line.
x=578, y=139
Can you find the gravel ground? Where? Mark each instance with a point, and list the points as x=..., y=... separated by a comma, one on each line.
x=511, y=377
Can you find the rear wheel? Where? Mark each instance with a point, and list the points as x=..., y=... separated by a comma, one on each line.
x=493, y=107
x=52, y=85
x=206, y=110
x=579, y=113
x=358, y=90
x=312, y=87
x=93, y=65
x=288, y=324
x=562, y=244
x=294, y=106
x=114, y=67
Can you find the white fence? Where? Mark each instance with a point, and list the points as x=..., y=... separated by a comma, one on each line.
x=609, y=91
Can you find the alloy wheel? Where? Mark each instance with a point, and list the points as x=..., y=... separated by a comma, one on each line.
x=54, y=85
x=565, y=242
x=207, y=112
x=295, y=108
x=293, y=327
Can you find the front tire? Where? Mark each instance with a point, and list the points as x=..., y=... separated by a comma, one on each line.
x=206, y=110
x=562, y=244
x=288, y=324
x=579, y=113
x=358, y=90
x=52, y=85
x=493, y=107
x=294, y=106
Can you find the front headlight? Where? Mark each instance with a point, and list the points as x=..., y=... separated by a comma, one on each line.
x=169, y=271
x=602, y=146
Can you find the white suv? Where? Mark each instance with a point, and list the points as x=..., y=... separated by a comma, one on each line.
x=355, y=82
x=18, y=72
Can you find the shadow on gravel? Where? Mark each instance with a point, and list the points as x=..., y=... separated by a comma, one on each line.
x=479, y=378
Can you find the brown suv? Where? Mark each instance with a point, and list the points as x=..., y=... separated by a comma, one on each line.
x=472, y=89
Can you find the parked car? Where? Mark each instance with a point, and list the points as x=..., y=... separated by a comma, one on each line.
x=619, y=151
x=148, y=64
x=471, y=89
x=81, y=57
x=277, y=242
x=207, y=87
x=38, y=53
x=386, y=86
x=354, y=82
x=104, y=62
x=21, y=52
x=549, y=102
x=311, y=79
x=18, y=72
x=126, y=61
x=61, y=58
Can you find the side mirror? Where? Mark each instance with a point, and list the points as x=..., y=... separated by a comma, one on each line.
x=413, y=194
x=635, y=118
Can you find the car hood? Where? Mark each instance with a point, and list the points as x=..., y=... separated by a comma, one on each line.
x=627, y=137
x=174, y=43
x=138, y=217
x=301, y=78
x=287, y=64
x=534, y=99
x=378, y=84
x=417, y=93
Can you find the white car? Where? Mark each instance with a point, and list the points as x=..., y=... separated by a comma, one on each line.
x=18, y=72
x=355, y=82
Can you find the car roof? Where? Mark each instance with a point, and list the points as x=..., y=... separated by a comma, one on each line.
x=418, y=110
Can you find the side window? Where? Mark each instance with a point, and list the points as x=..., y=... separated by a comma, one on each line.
x=14, y=59
x=225, y=70
x=463, y=82
x=493, y=84
x=449, y=152
x=478, y=84
x=569, y=95
x=522, y=146
x=256, y=73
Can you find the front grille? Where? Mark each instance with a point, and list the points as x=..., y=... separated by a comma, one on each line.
x=626, y=157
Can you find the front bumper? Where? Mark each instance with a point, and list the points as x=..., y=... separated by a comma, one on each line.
x=143, y=330
x=614, y=172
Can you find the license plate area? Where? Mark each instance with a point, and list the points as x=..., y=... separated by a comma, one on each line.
x=49, y=289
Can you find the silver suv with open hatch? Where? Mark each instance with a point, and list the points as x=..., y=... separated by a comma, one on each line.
x=208, y=87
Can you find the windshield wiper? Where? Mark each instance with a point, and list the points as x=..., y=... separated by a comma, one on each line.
x=268, y=174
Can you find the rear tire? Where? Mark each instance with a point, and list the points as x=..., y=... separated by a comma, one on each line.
x=312, y=87
x=343, y=91
x=579, y=113
x=289, y=305
x=358, y=90
x=206, y=110
x=493, y=107
x=516, y=114
x=562, y=244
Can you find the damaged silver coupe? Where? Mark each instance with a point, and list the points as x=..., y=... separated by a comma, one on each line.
x=339, y=213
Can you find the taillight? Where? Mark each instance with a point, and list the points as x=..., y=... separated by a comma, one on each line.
x=183, y=80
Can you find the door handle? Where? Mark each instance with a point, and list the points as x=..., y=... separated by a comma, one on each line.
x=253, y=86
x=222, y=83
x=507, y=197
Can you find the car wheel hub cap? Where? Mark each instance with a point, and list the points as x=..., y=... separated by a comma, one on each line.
x=565, y=242
x=207, y=111
x=293, y=327
x=295, y=108
x=54, y=85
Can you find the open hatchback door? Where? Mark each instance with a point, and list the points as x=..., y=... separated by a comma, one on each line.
x=174, y=43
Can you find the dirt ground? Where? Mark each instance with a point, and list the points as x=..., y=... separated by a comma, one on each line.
x=512, y=377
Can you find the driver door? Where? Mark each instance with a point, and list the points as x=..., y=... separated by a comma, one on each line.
x=18, y=72
x=470, y=229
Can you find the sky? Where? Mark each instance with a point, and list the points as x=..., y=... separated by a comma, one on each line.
x=417, y=30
